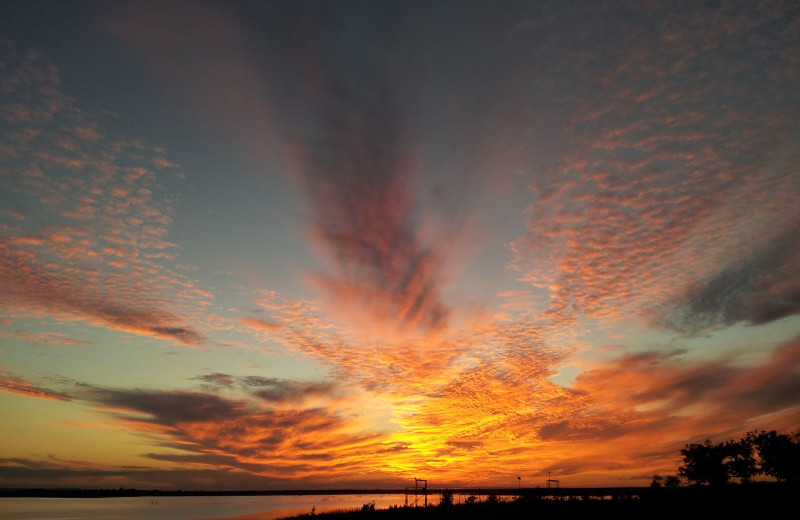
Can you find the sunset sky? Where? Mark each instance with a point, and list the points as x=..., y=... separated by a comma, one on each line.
x=302, y=244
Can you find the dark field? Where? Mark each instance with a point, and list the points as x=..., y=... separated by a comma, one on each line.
x=753, y=501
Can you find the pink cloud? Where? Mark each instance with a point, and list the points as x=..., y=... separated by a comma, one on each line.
x=20, y=386
x=261, y=324
x=46, y=338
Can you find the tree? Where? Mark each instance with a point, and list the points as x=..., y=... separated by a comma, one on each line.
x=672, y=481
x=704, y=463
x=446, y=499
x=739, y=460
x=779, y=453
x=657, y=481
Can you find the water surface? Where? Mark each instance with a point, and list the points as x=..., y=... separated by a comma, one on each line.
x=183, y=508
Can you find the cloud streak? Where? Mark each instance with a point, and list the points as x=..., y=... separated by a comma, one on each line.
x=14, y=384
x=355, y=168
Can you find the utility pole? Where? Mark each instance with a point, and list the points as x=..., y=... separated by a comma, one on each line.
x=424, y=489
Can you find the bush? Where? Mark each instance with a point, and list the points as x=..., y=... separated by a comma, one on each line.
x=446, y=499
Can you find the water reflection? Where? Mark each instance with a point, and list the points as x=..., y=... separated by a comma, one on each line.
x=185, y=508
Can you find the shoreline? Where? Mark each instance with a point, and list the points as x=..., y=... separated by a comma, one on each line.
x=431, y=491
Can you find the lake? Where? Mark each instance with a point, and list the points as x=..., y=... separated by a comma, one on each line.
x=185, y=508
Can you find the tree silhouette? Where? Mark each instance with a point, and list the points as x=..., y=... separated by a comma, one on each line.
x=717, y=464
x=739, y=460
x=704, y=463
x=779, y=453
x=446, y=499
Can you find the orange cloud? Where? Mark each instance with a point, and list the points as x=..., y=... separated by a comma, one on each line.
x=20, y=386
x=261, y=324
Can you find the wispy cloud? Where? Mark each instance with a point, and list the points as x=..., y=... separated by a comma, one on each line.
x=271, y=389
x=18, y=385
x=61, y=473
x=356, y=171
x=45, y=338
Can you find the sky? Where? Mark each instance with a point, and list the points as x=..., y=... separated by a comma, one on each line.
x=310, y=244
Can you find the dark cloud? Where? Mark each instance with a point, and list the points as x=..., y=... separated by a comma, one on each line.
x=236, y=433
x=278, y=390
x=171, y=408
x=271, y=389
x=23, y=470
x=762, y=288
x=217, y=379
x=361, y=191
x=211, y=459
x=466, y=444
x=15, y=472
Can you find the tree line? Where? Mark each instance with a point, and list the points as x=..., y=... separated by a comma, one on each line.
x=766, y=453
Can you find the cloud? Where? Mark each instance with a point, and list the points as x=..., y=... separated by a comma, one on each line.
x=59, y=473
x=271, y=389
x=362, y=135
x=356, y=174
x=33, y=286
x=18, y=385
x=170, y=408
x=277, y=390
x=45, y=338
x=673, y=178
x=659, y=147
x=261, y=324
x=240, y=433
x=399, y=149
x=759, y=289
x=654, y=393
x=217, y=379
x=96, y=241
